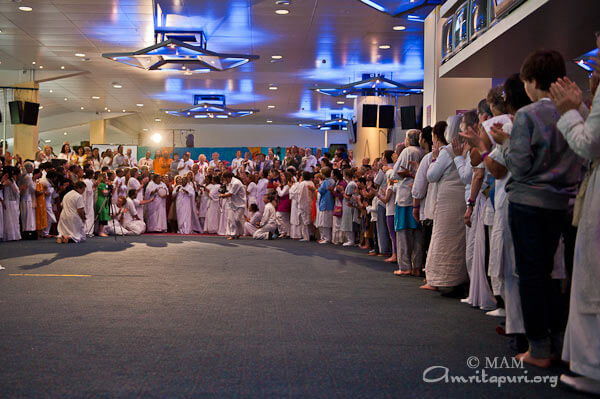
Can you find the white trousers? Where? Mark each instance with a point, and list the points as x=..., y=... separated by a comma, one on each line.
x=283, y=223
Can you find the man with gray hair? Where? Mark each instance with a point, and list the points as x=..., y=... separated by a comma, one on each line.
x=309, y=161
x=408, y=240
x=27, y=205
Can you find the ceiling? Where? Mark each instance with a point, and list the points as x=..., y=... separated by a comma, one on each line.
x=322, y=42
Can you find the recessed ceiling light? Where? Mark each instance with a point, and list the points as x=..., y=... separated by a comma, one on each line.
x=156, y=119
x=65, y=133
x=33, y=63
x=282, y=12
x=62, y=67
x=25, y=8
x=50, y=91
x=66, y=99
x=95, y=98
x=145, y=130
x=105, y=108
x=399, y=27
x=124, y=111
x=269, y=121
x=117, y=85
x=41, y=107
x=384, y=46
x=276, y=57
x=273, y=87
x=108, y=110
x=82, y=108
x=79, y=55
x=341, y=102
x=140, y=105
x=41, y=67
x=47, y=141
x=270, y=106
x=282, y=2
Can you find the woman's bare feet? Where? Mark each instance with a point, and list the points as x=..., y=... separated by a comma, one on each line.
x=391, y=259
x=428, y=287
x=102, y=235
x=534, y=361
x=402, y=272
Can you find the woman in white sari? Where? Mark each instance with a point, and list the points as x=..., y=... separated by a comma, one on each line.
x=157, y=211
x=10, y=191
x=446, y=259
x=183, y=205
x=213, y=210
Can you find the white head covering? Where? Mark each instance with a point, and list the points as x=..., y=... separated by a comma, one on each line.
x=453, y=127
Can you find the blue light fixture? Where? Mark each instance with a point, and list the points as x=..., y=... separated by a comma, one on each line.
x=376, y=86
x=417, y=9
x=587, y=57
x=211, y=109
x=333, y=124
x=376, y=6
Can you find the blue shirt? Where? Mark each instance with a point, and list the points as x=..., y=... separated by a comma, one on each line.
x=326, y=202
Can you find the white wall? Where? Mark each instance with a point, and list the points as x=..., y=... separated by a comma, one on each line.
x=224, y=135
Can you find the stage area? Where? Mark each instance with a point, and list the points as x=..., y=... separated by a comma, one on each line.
x=172, y=316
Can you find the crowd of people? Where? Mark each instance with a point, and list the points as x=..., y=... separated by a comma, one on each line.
x=497, y=206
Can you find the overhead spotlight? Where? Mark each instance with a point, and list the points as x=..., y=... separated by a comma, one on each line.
x=82, y=108
x=124, y=111
x=41, y=107
x=50, y=91
x=282, y=12
x=276, y=57
x=95, y=98
x=188, y=73
x=270, y=106
x=117, y=85
x=66, y=99
x=399, y=27
x=108, y=110
x=65, y=133
x=47, y=141
x=156, y=137
x=384, y=46
x=41, y=67
x=62, y=67
x=140, y=105
x=273, y=87
x=156, y=119
x=79, y=55
x=269, y=121
x=25, y=8
x=33, y=63
x=340, y=102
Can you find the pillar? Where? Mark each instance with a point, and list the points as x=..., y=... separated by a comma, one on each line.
x=98, y=132
x=442, y=97
x=370, y=141
x=26, y=136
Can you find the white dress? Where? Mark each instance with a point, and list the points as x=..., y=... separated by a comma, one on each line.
x=196, y=226
x=183, y=205
x=27, y=204
x=261, y=190
x=213, y=210
x=88, y=199
x=582, y=346
x=294, y=211
x=134, y=184
x=70, y=224
x=157, y=209
x=11, y=213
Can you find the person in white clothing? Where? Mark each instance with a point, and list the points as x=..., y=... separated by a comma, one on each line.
x=309, y=161
x=214, y=163
x=261, y=189
x=27, y=187
x=235, y=206
x=72, y=218
x=10, y=192
x=307, y=192
x=213, y=209
x=236, y=163
x=147, y=161
x=252, y=221
x=183, y=204
x=130, y=159
x=268, y=223
x=88, y=200
x=185, y=164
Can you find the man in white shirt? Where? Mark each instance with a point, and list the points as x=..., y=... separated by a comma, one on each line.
x=309, y=161
x=214, y=163
x=248, y=163
x=185, y=164
x=236, y=164
x=119, y=159
x=130, y=159
x=147, y=161
x=235, y=206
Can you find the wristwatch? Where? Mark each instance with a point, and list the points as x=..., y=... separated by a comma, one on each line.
x=471, y=203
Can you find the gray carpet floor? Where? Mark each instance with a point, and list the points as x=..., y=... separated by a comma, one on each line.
x=170, y=316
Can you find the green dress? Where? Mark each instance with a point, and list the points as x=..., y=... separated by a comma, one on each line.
x=102, y=204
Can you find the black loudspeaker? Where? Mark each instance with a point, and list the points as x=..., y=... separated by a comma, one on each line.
x=30, y=113
x=189, y=140
x=16, y=112
x=386, y=116
x=369, y=115
x=408, y=116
